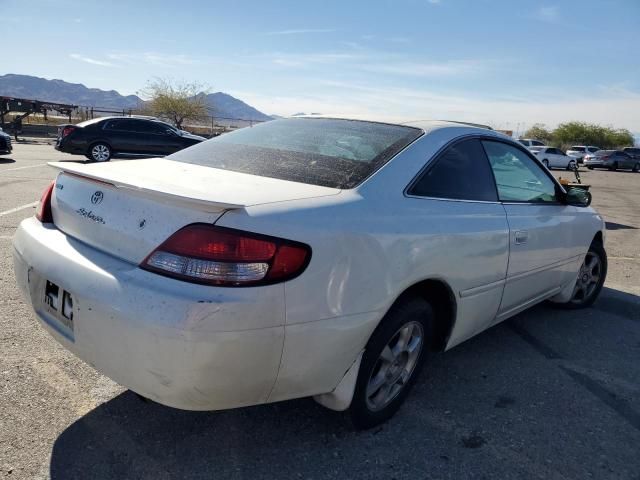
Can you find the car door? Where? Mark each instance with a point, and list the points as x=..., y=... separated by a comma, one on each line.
x=454, y=203
x=543, y=249
x=556, y=158
x=168, y=140
x=625, y=160
x=119, y=135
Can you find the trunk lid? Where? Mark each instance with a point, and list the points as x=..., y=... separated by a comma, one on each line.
x=128, y=208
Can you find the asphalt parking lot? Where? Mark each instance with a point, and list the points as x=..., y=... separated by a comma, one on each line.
x=548, y=394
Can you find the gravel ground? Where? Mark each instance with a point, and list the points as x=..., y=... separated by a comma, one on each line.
x=548, y=394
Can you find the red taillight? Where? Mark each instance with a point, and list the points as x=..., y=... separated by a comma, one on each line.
x=43, y=212
x=213, y=255
x=605, y=158
x=67, y=130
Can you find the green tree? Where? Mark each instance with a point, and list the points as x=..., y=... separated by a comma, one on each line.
x=176, y=101
x=572, y=133
x=539, y=132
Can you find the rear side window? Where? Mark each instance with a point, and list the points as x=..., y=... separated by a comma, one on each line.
x=319, y=151
x=593, y=149
x=577, y=149
x=461, y=172
x=536, y=142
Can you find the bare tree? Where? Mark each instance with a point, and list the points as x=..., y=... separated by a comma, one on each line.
x=176, y=101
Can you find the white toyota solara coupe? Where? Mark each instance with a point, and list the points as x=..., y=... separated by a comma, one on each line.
x=302, y=257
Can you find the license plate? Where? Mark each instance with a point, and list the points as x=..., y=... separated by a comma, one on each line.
x=53, y=303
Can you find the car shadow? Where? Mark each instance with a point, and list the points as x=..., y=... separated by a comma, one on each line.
x=472, y=406
x=619, y=226
x=6, y=160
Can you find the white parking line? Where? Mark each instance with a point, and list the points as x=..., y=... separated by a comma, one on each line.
x=17, y=209
x=21, y=168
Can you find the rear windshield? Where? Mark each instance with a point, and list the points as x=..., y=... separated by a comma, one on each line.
x=90, y=122
x=318, y=151
x=577, y=149
x=632, y=150
x=603, y=153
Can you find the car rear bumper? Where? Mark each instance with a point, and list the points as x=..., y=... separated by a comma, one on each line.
x=187, y=346
x=594, y=163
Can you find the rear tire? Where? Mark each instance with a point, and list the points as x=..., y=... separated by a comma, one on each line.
x=590, y=168
x=571, y=165
x=614, y=167
x=99, y=152
x=590, y=280
x=392, y=360
x=636, y=167
x=545, y=162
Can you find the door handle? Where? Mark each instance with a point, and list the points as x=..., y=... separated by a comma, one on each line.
x=521, y=237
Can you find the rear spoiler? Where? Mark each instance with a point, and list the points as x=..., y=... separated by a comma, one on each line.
x=83, y=171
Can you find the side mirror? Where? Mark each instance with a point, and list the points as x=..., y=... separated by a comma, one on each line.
x=578, y=197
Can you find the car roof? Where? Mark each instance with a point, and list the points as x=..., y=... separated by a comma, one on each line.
x=428, y=126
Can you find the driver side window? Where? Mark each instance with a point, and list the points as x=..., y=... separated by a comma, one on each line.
x=518, y=177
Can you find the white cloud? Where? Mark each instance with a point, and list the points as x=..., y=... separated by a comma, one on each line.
x=616, y=107
x=301, y=31
x=92, y=61
x=422, y=69
x=308, y=60
x=153, y=58
x=360, y=60
x=548, y=14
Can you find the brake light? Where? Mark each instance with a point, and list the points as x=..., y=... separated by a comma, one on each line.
x=67, y=130
x=43, y=212
x=211, y=255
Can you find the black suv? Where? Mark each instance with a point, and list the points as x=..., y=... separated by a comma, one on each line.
x=102, y=138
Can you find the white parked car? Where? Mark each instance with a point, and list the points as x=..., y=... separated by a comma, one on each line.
x=554, y=158
x=302, y=257
x=580, y=151
x=529, y=142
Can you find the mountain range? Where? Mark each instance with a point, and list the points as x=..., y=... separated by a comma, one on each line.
x=220, y=104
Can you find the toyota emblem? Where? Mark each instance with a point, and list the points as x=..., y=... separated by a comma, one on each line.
x=97, y=197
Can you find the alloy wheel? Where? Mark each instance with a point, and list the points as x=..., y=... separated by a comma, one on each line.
x=100, y=153
x=394, y=366
x=588, y=278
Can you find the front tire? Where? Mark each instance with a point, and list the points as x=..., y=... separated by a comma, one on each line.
x=545, y=162
x=591, y=277
x=100, y=152
x=614, y=167
x=636, y=167
x=571, y=165
x=391, y=362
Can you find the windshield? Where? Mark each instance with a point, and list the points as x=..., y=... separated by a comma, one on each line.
x=318, y=151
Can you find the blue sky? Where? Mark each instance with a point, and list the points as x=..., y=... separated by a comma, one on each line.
x=508, y=63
